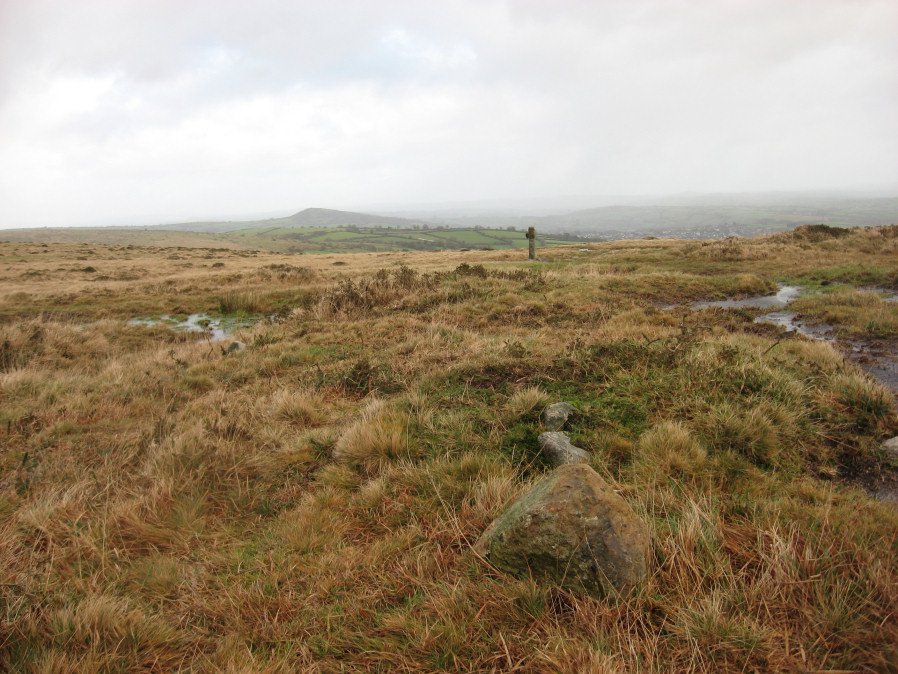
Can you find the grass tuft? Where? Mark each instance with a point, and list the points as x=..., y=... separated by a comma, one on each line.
x=240, y=302
x=377, y=438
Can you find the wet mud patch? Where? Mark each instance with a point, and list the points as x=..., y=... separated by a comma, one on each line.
x=876, y=357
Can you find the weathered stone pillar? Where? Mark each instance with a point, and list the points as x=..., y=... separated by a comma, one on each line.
x=531, y=237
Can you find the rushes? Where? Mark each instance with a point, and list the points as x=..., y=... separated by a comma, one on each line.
x=241, y=302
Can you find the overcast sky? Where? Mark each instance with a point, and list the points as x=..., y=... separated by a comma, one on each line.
x=123, y=111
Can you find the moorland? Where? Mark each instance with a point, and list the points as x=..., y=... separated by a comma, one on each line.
x=309, y=499
x=290, y=239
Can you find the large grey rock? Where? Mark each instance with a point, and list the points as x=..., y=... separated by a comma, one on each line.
x=556, y=415
x=890, y=446
x=557, y=448
x=572, y=530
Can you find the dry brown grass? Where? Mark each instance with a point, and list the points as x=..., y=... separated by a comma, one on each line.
x=165, y=507
x=853, y=312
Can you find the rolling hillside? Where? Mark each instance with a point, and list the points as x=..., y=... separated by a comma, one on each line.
x=315, y=230
x=309, y=217
x=686, y=215
x=707, y=214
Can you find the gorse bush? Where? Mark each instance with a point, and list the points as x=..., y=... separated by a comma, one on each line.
x=531, y=279
x=287, y=272
x=729, y=249
x=819, y=232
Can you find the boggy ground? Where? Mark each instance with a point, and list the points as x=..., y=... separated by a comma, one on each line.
x=310, y=503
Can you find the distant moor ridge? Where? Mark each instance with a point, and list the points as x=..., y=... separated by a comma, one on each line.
x=324, y=230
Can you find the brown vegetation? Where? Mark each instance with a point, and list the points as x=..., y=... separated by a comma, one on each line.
x=309, y=503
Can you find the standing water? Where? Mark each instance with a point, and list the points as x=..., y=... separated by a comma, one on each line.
x=877, y=359
x=780, y=299
x=217, y=328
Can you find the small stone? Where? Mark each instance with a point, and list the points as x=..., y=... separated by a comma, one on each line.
x=573, y=530
x=557, y=448
x=556, y=416
x=233, y=347
x=890, y=447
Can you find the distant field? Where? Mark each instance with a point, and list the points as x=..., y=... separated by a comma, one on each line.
x=288, y=239
x=364, y=239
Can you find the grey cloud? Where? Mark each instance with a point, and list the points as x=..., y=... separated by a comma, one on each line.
x=126, y=110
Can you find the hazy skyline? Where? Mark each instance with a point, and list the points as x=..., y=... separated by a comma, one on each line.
x=124, y=112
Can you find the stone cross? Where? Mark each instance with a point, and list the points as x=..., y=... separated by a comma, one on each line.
x=531, y=236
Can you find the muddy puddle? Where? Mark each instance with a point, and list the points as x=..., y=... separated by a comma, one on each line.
x=217, y=329
x=877, y=358
x=780, y=298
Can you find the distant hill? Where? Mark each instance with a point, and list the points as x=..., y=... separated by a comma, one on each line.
x=678, y=216
x=310, y=217
x=697, y=215
x=708, y=214
x=327, y=217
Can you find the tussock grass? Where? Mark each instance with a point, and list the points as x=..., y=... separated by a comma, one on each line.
x=524, y=401
x=310, y=504
x=866, y=403
x=235, y=301
x=670, y=450
x=853, y=312
x=301, y=408
x=378, y=437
